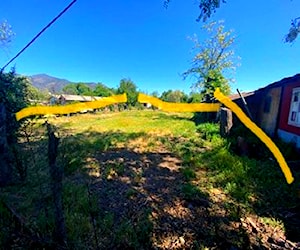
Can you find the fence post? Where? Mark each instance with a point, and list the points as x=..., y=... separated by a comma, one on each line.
x=225, y=122
x=5, y=156
x=56, y=174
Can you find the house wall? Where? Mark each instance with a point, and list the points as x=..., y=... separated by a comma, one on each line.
x=252, y=103
x=268, y=110
x=285, y=109
x=289, y=137
x=264, y=107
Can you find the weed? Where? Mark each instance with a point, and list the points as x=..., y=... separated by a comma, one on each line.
x=188, y=173
x=112, y=171
x=189, y=191
x=134, y=234
x=275, y=223
x=208, y=130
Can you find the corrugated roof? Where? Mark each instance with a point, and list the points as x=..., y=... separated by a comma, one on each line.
x=272, y=85
x=237, y=96
x=281, y=82
x=81, y=98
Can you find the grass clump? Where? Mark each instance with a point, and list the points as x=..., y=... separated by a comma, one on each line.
x=208, y=130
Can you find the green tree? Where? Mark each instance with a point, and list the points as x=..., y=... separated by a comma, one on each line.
x=165, y=95
x=35, y=94
x=83, y=89
x=70, y=89
x=195, y=97
x=127, y=86
x=214, y=58
x=174, y=96
x=155, y=94
x=102, y=90
x=14, y=95
x=77, y=89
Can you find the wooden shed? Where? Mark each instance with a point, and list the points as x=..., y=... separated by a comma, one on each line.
x=276, y=108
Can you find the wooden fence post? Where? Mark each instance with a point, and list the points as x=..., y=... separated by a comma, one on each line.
x=5, y=156
x=56, y=174
x=225, y=122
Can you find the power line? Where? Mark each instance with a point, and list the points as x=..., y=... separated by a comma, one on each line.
x=40, y=33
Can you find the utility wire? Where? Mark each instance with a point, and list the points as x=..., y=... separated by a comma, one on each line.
x=40, y=33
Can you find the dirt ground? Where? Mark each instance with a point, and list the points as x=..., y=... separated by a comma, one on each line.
x=148, y=188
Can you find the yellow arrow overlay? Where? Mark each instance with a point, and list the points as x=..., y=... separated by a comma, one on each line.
x=178, y=107
x=70, y=108
x=258, y=132
x=170, y=107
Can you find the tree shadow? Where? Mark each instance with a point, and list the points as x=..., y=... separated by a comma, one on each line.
x=145, y=202
x=268, y=207
x=117, y=197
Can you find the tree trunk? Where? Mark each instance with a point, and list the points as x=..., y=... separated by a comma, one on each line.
x=225, y=122
x=56, y=174
x=5, y=156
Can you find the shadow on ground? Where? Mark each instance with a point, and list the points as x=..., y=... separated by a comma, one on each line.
x=145, y=202
x=119, y=196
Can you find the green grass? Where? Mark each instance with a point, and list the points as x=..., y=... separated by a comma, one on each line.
x=129, y=122
x=211, y=172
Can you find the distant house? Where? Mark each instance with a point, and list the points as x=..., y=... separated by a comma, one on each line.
x=276, y=108
x=64, y=99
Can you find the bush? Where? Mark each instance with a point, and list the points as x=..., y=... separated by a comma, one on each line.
x=14, y=94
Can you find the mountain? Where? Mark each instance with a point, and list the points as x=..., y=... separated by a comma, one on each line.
x=45, y=82
x=52, y=84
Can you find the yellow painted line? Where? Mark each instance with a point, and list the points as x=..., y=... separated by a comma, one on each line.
x=178, y=107
x=70, y=108
x=258, y=132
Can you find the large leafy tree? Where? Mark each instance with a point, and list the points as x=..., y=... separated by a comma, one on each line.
x=208, y=7
x=102, y=90
x=174, y=96
x=15, y=93
x=213, y=59
x=128, y=86
x=77, y=89
x=194, y=97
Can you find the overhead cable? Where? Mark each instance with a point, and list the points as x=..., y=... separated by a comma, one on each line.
x=39, y=34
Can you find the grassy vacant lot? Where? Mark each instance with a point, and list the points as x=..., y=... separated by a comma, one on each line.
x=149, y=180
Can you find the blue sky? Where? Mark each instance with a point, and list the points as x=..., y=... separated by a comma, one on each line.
x=104, y=41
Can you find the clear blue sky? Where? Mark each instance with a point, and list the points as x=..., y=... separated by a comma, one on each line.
x=104, y=41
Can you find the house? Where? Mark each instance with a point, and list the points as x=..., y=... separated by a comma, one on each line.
x=276, y=108
x=64, y=99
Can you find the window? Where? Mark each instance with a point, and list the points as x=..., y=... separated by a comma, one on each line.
x=267, y=104
x=294, y=116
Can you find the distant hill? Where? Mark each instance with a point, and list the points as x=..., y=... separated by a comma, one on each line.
x=52, y=84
